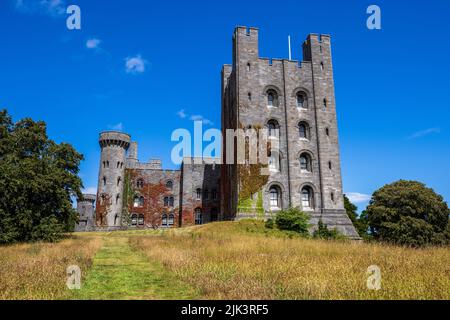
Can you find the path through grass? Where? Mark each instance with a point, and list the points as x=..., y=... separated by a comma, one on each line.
x=121, y=272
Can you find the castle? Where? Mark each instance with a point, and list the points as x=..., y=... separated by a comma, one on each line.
x=293, y=100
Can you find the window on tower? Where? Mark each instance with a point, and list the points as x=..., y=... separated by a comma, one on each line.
x=305, y=162
x=272, y=98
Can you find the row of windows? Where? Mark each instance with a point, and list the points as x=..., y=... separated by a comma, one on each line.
x=140, y=184
x=322, y=66
x=166, y=221
x=119, y=164
x=198, y=193
x=305, y=161
x=307, y=198
x=304, y=130
x=301, y=100
x=139, y=201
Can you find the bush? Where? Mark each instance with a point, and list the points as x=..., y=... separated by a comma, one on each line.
x=323, y=232
x=293, y=219
x=408, y=213
x=269, y=224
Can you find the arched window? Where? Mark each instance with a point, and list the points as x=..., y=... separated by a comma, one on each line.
x=118, y=180
x=164, y=220
x=272, y=98
x=199, y=193
x=302, y=102
x=169, y=185
x=117, y=198
x=321, y=66
x=274, y=128
x=140, y=183
x=141, y=220
x=330, y=165
x=138, y=202
x=166, y=201
x=134, y=219
x=275, y=197
x=274, y=161
x=324, y=103
x=332, y=196
x=198, y=216
x=327, y=132
x=171, y=201
x=248, y=66
x=107, y=164
x=303, y=130
x=171, y=219
x=118, y=164
x=104, y=181
x=206, y=194
x=305, y=162
x=249, y=96
x=307, y=198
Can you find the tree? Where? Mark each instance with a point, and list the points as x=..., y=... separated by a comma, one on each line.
x=409, y=213
x=37, y=180
x=360, y=222
x=294, y=220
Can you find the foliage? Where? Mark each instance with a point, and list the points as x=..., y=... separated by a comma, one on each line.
x=294, y=220
x=323, y=232
x=38, y=177
x=360, y=222
x=269, y=223
x=408, y=213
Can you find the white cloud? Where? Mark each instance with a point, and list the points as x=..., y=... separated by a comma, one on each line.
x=90, y=190
x=181, y=114
x=117, y=127
x=198, y=117
x=135, y=65
x=93, y=43
x=49, y=7
x=357, y=197
x=425, y=132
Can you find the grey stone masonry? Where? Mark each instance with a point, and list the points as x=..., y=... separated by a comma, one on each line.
x=86, y=213
x=298, y=98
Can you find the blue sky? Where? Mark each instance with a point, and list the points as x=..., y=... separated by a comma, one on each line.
x=135, y=64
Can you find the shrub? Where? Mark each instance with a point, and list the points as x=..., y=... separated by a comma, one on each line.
x=408, y=213
x=293, y=219
x=269, y=224
x=323, y=232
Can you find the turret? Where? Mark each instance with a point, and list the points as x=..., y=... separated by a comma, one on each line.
x=114, y=146
x=86, y=213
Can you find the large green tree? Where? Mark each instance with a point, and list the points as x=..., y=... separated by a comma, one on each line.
x=38, y=177
x=407, y=212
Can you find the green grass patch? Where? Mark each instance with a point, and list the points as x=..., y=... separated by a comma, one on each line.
x=121, y=272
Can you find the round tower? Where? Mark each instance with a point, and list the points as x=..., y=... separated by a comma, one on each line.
x=86, y=213
x=111, y=177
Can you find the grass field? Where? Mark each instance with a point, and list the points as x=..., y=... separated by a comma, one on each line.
x=224, y=260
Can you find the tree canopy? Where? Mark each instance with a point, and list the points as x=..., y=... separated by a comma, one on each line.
x=38, y=177
x=407, y=212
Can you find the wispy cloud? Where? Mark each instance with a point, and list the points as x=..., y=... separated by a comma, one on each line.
x=135, y=65
x=181, y=114
x=93, y=43
x=118, y=126
x=198, y=117
x=89, y=190
x=357, y=197
x=425, y=132
x=53, y=8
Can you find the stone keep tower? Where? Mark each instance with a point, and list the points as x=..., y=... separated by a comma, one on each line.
x=295, y=102
x=114, y=146
x=86, y=213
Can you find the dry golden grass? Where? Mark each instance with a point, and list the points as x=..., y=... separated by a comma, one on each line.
x=241, y=260
x=38, y=271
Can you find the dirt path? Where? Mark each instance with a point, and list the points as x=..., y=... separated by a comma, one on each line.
x=120, y=272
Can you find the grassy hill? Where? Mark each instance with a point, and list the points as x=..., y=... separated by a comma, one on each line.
x=223, y=260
